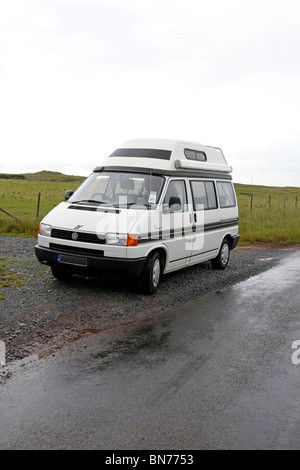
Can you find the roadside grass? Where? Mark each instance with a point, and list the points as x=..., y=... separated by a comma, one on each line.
x=276, y=227
x=275, y=220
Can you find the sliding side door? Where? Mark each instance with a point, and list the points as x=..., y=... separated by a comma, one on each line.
x=206, y=221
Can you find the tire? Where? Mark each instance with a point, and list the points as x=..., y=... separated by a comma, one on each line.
x=221, y=261
x=150, y=276
x=60, y=273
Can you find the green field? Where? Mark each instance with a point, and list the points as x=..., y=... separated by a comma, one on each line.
x=20, y=198
x=275, y=214
x=274, y=218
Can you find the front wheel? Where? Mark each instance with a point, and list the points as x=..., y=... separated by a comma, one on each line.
x=221, y=261
x=150, y=276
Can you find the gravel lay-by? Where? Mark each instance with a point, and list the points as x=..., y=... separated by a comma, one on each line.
x=39, y=315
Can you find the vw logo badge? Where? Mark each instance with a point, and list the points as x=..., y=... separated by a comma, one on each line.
x=74, y=236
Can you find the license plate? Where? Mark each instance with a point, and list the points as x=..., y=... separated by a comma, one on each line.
x=69, y=259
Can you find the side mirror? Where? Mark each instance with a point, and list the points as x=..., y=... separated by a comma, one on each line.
x=68, y=194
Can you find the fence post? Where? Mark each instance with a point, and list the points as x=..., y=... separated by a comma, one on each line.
x=296, y=203
x=284, y=202
x=251, y=202
x=9, y=214
x=38, y=206
x=270, y=202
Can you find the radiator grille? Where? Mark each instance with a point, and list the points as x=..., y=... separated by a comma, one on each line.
x=79, y=237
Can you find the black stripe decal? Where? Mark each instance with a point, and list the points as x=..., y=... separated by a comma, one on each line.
x=142, y=153
x=228, y=223
x=192, y=256
x=181, y=231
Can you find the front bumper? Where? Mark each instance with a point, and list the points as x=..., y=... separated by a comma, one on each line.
x=89, y=263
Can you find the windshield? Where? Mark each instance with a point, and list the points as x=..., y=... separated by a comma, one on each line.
x=120, y=190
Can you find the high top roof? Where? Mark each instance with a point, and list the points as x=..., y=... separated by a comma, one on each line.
x=168, y=154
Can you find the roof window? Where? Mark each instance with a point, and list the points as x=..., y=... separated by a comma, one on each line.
x=195, y=155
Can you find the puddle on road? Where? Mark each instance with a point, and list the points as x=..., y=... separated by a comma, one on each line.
x=267, y=259
x=127, y=341
x=151, y=337
x=11, y=367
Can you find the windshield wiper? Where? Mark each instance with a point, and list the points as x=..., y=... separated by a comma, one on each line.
x=138, y=205
x=89, y=201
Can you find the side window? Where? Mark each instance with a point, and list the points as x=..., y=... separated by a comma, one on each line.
x=175, y=197
x=211, y=195
x=226, y=194
x=199, y=195
x=204, y=195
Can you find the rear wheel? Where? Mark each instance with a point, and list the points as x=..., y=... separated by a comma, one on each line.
x=150, y=276
x=221, y=261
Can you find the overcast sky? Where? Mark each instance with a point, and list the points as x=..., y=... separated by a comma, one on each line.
x=79, y=77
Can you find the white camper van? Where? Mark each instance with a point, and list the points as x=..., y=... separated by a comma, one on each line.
x=153, y=207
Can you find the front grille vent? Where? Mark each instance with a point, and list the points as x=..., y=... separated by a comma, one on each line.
x=75, y=250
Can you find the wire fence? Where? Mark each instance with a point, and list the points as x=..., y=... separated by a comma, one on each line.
x=269, y=201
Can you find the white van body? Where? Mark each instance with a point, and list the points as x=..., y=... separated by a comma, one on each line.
x=153, y=207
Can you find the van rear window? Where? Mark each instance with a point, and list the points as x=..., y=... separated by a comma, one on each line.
x=143, y=153
x=226, y=194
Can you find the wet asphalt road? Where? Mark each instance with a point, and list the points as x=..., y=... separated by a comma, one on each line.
x=215, y=374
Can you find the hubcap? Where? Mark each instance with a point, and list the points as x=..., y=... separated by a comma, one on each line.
x=225, y=254
x=156, y=273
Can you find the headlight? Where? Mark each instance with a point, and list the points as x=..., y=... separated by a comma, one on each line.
x=45, y=230
x=121, y=239
x=116, y=239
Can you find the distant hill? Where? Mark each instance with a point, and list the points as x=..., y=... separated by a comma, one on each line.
x=44, y=176
x=7, y=176
x=265, y=191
